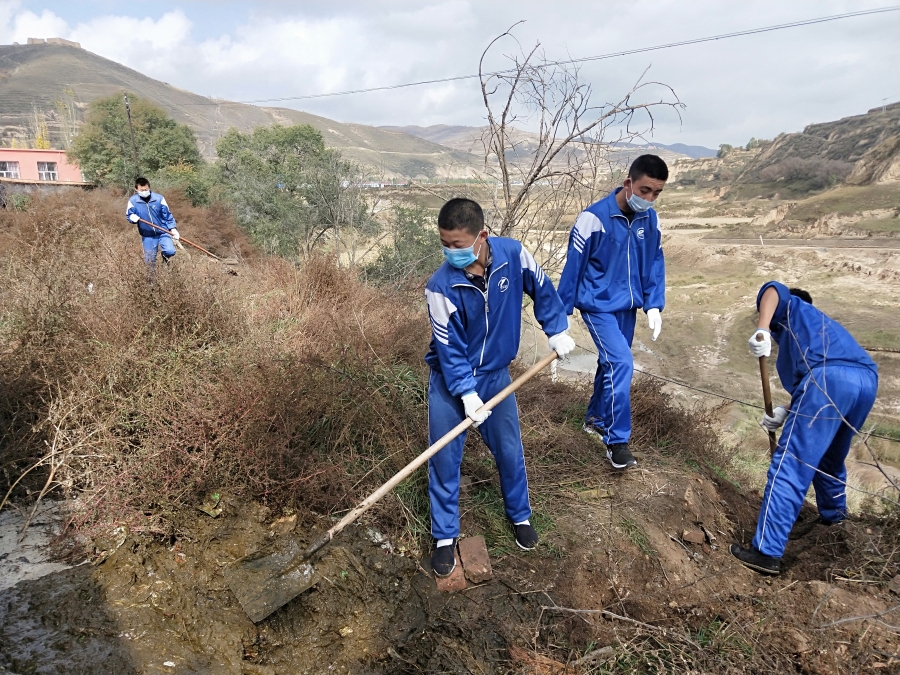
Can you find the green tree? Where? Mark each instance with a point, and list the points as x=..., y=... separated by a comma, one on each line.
x=103, y=147
x=724, y=149
x=289, y=191
x=414, y=249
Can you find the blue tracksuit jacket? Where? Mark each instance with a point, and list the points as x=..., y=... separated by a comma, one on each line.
x=832, y=382
x=611, y=264
x=156, y=211
x=613, y=268
x=475, y=336
x=475, y=332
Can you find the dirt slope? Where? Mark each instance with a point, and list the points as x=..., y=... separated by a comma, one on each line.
x=616, y=572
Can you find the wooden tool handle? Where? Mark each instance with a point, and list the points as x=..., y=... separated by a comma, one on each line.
x=767, y=394
x=425, y=456
x=185, y=240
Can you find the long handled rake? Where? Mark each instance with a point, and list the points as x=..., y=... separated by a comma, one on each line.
x=184, y=239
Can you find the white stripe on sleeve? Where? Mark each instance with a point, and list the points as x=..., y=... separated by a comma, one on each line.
x=529, y=263
x=586, y=225
x=439, y=309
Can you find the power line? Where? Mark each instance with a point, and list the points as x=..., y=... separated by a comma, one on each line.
x=685, y=385
x=641, y=50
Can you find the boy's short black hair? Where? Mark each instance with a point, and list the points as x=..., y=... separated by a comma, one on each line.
x=140, y=180
x=461, y=214
x=651, y=166
x=803, y=295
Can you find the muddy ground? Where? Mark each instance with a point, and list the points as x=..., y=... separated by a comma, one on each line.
x=615, y=569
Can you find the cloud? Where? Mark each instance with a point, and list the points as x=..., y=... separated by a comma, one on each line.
x=746, y=86
x=17, y=25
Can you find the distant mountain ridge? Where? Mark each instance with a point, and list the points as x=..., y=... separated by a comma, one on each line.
x=34, y=77
x=871, y=142
x=468, y=139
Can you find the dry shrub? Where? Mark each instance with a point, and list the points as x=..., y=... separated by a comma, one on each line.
x=296, y=387
x=552, y=415
x=292, y=386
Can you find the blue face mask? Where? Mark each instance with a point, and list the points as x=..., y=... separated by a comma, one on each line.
x=460, y=258
x=637, y=204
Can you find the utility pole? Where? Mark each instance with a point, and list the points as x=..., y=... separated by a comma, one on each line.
x=137, y=167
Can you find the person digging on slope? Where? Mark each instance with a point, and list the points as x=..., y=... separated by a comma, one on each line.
x=152, y=207
x=832, y=382
x=475, y=306
x=614, y=267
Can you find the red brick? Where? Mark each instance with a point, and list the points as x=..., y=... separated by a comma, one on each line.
x=455, y=582
x=475, y=560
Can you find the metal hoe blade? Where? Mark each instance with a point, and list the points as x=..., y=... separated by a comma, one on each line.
x=261, y=585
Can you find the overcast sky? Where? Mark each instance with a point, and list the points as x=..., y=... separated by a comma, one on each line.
x=757, y=85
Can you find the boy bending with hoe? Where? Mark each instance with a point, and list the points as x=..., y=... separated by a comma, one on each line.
x=832, y=382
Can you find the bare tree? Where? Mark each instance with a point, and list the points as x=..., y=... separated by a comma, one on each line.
x=539, y=178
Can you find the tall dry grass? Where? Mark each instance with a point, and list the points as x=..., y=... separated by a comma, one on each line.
x=292, y=386
x=282, y=384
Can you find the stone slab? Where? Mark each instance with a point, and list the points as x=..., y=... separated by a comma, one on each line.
x=456, y=581
x=694, y=537
x=475, y=561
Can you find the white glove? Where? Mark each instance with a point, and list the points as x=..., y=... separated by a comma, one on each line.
x=655, y=322
x=562, y=344
x=760, y=348
x=175, y=234
x=134, y=218
x=472, y=403
x=779, y=415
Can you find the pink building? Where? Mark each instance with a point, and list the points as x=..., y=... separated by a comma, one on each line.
x=44, y=166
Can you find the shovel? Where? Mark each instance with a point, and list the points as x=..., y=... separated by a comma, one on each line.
x=767, y=395
x=263, y=584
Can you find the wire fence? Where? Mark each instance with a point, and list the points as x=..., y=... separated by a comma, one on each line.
x=862, y=434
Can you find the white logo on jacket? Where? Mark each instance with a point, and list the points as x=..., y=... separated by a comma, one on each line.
x=504, y=284
x=640, y=233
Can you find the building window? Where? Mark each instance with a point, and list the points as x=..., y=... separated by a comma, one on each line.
x=47, y=171
x=9, y=169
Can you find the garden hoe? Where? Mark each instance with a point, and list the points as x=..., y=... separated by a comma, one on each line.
x=767, y=395
x=263, y=584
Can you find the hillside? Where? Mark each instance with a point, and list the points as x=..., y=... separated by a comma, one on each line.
x=34, y=77
x=468, y=139
x=862, y=150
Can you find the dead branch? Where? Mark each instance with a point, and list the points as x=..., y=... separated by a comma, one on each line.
x=542, y=177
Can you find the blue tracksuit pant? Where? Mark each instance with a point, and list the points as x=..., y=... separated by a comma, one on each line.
x=500, y=432
x=162, y=242
x=610, y=404
x=813, y=445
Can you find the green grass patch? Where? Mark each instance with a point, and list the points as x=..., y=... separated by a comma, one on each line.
x=485, y=503
x=637, y=536
x=413, y=497
x=847, y=200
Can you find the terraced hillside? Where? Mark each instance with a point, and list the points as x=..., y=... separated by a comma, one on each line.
x=33, y=77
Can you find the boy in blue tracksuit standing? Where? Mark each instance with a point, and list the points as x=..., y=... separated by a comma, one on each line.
x=832, y=382
x=614, y=267
x=152, y=207
x=475, y=306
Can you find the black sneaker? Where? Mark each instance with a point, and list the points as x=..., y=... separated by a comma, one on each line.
x=526, y=537
x=755, y=560
x=443, y=560
x=620, y=456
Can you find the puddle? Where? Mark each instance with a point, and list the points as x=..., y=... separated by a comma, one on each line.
x=28, y=559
